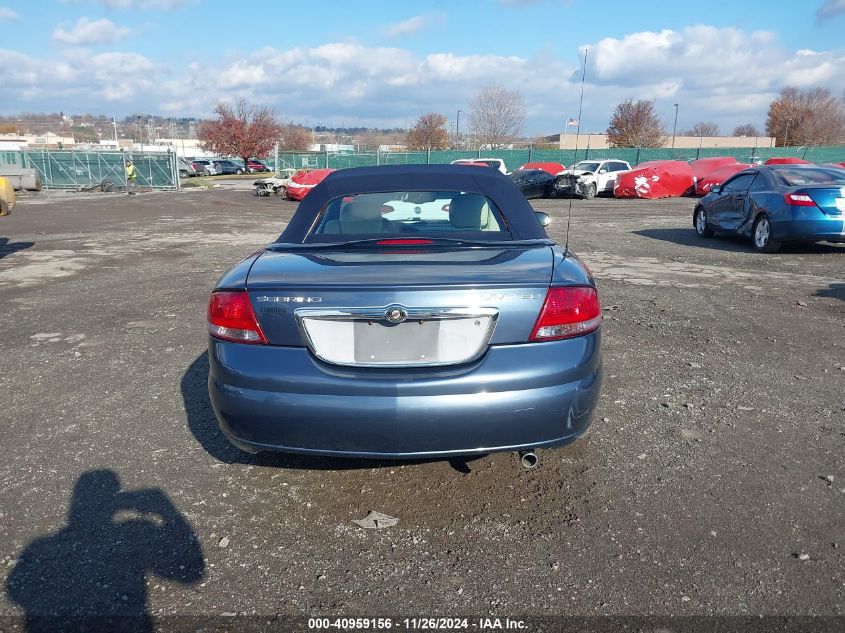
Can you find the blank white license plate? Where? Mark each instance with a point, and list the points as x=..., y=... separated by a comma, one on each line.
x=413, y=342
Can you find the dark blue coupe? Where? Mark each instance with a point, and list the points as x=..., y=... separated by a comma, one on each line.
x=406, y=312
x=773, y=204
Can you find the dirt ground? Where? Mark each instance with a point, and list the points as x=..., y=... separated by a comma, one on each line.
x=712, y=483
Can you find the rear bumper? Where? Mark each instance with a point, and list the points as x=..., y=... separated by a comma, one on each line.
x=515, y=397
x=828, y=229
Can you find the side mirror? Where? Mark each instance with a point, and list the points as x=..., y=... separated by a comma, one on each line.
x=543, y=218
x=716, y=189
x=602, y=171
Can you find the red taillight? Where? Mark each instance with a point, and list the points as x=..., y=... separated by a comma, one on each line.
x=403, y=241
x=567, y=312
x=799, y=200
x=231, y=318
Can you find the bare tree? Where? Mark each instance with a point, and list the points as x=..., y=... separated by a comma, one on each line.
x=635, y=124
x=703, y=128
x=496, y=116
x=429, y=132
x=746, y=129
x=811, y=117
x=242, y=130
x=294, y=137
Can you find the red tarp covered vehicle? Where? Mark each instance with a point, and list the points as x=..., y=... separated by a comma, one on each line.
x=655, y=179
x=703, y=166
x=718, y=176
x=552, y=168
x=302, y=182
x=787, y=160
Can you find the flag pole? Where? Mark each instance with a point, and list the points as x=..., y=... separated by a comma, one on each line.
x=565, y=125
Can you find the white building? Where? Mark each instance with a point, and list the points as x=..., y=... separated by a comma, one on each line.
x=331, y=148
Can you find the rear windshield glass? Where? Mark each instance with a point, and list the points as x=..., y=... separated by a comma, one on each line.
x=811, y=176
x=586, y=166
x=453, y=214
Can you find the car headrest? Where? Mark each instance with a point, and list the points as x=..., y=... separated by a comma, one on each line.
x=361, y=217
x=469, y=211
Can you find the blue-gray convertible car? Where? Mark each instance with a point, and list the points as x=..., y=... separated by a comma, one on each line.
x=773, y=204
x=407, y=312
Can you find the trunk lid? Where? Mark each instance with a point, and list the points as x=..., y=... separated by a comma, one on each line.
x=831, y=200
x=447, y=304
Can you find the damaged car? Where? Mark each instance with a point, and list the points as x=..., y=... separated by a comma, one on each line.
x=589, y=178
x=275, y=185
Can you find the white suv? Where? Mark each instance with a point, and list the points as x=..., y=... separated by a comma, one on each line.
x=598, y=175
x=495, y=163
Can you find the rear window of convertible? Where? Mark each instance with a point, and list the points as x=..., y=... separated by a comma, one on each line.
x=457, y=214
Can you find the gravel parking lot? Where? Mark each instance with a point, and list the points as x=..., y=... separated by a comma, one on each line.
x=712, y=483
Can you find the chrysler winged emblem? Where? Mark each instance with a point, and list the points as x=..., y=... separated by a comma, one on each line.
x=396, y=314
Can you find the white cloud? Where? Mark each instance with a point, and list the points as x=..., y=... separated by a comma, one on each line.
x=162, y=5
x=7, y=14
x=414, y=25
x=725, y=75
x=87, y=31
x=722, y=73
x=80, y=78
x=830, y=9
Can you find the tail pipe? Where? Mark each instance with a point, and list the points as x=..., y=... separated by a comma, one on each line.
x=528, y=459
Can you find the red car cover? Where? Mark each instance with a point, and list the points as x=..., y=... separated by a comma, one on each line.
x=303, y=181
x=703, y=166
x=553, y=168
x=787, y=160
x=655, y=179
x=718, y=176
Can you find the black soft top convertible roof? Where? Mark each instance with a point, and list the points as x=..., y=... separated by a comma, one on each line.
x=517, y=212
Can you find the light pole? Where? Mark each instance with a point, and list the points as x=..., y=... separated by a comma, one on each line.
x=675, y=126
x=458, y=131
x=786, y=134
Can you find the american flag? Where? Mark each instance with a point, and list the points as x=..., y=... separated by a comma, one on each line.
x=571, y=121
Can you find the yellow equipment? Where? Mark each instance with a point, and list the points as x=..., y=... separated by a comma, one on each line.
x=7, y=196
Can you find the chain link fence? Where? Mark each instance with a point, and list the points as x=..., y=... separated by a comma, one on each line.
x=68, y=169
x=515, y=157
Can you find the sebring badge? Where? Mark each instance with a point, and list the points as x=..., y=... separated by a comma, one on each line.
x=277, y=299
x=396, y=314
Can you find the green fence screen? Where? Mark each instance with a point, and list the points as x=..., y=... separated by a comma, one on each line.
x=67, y=169
x=515, y=157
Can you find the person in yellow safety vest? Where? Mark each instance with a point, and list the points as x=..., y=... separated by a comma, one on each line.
x=131, y=178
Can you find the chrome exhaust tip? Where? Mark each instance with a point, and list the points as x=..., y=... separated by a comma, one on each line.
x=528, y=459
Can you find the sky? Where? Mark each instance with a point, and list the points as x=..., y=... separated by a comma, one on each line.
x=385, y=62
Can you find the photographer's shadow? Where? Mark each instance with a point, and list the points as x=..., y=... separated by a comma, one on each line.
x=91, y=574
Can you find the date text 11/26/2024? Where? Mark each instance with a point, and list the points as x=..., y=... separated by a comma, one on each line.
x=417, y=624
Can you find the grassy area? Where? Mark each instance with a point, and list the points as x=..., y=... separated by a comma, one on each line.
x=202, y=182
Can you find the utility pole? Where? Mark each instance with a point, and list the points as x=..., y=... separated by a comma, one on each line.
x=675, y=126
x=458, y=131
